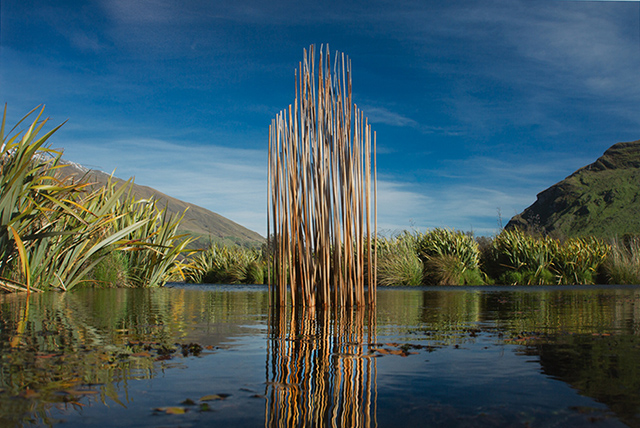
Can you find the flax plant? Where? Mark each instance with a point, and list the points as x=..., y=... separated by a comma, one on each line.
x=578, y=260
x=22, y=190
x=521, y=259
x=154, y=250
x=61, y=258
x=54, y=231
x=450, y=257
x=45, y=228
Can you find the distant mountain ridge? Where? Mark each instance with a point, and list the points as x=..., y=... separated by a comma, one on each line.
x=207, y=226
x=601, y=199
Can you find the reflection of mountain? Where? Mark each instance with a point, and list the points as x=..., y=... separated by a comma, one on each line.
x=322, y=369
x=320, y=372
x=604, y=368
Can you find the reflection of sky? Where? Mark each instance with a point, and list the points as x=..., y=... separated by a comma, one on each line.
x=480, y=382
x=473, y=375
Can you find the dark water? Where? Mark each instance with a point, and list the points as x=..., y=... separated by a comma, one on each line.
x=216, y=356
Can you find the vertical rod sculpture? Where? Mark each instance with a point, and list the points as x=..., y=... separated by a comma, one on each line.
x=321, y=197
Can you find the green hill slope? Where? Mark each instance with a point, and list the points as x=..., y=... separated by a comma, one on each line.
x=207, y=226
x=601, y=199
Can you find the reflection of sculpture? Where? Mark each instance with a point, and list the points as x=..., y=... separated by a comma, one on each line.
x=319, y=369
x=322, y=192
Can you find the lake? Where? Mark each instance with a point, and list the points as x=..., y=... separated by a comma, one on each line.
x=206, y=355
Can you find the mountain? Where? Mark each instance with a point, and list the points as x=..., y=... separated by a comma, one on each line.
x=601, y=199
x=207, y=226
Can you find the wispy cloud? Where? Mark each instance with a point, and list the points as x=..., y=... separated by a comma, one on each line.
x=228, y=181
x=388, y=117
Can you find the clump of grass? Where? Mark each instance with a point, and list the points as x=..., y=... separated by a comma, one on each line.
x=398, y=261
x=450, y=258
x=622, y=266
x=226, y=265
x=111, y=271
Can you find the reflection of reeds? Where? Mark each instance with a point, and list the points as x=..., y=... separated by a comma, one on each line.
x=321, y=192
x=319, y=371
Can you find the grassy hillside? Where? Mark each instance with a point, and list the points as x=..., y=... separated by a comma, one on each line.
x=601, y=199
x=207, y=226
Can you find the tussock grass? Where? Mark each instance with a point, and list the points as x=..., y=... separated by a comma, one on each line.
x=398, y=261
x=622, y=265
x=226, y=265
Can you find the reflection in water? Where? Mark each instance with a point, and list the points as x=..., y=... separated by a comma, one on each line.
x=60, y=351
x=429, y=355
x=320, y=368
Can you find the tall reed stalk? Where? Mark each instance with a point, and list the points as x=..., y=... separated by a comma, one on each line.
x=322, y=191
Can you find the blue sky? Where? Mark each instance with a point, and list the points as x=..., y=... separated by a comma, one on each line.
x=477, y=105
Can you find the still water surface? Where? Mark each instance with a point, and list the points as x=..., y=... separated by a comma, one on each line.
x=195, y=356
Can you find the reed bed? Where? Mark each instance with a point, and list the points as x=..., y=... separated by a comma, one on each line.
x=322, y=191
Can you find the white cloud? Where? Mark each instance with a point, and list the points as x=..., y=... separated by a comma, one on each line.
x=383, y=115
x=225, y=180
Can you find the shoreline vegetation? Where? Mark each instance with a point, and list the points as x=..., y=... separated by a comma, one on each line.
x=445, y=257
x=60, y=233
